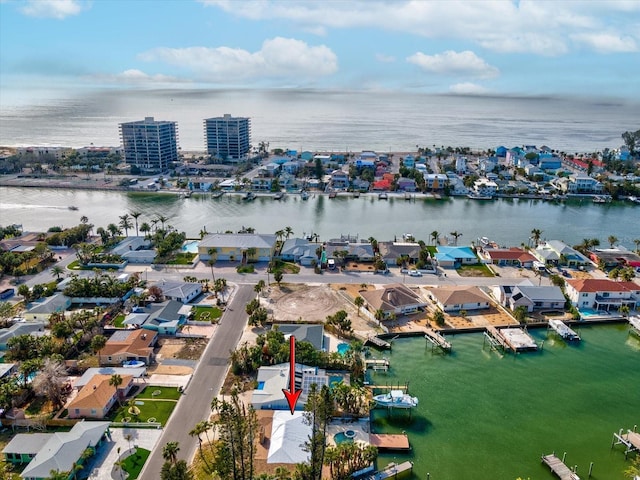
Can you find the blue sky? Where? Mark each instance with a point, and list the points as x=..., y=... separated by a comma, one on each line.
x=585, y=48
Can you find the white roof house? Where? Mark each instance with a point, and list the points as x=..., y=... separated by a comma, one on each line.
x=288, y=435
x=273, y=379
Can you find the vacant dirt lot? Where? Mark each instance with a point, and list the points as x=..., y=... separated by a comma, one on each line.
x=309, y=303
x=182, y=348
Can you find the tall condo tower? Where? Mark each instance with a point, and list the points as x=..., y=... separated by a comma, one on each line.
x=149, y=144
x=228, y=137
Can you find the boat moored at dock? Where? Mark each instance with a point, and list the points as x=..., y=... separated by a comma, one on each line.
x=396, y=399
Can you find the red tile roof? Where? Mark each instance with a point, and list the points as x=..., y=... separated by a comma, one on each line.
x=513, y=253
x=593, y=285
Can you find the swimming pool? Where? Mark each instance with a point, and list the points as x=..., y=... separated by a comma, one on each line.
x=343, y=348
x=590, y=312
x=344, y=437
x=191, y=246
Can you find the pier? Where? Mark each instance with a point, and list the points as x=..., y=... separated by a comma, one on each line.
x=398, y=386
x=564, y=331
x=392, y=471
x=437, y=340
x=381, y=364
x=634, y=325
x=631, y=440
x=387, y=441
x=558, y=467
x=378, y=342
x=514, y=339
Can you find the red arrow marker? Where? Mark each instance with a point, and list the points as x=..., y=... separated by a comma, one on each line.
x=292, y=394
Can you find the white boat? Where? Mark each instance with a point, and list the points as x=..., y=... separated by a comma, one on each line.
x=304, y=195
x=396, y=399
x=132, y=364
x=474, y=196
x=383, y=196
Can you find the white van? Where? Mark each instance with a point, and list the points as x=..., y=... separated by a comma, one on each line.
x=331, y=264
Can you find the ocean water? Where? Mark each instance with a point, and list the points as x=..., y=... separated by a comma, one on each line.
x=323, y=120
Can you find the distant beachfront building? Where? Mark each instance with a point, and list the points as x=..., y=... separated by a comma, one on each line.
x=149, y=144
x=228, y=137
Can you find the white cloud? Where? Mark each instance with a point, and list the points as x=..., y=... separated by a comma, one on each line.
x=607, y=42
x=58, y=9
x=382, y=58
x=134, y=76
x=278, y=57
x=467, y=88
x=464, y=63
x=526, y=26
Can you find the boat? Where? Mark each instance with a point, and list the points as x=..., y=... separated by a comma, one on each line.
x=356, y=194
x=333, y=194
x=132, y=364
x=73, y=207
x=217, y=194
x=383, y=196
x=396, y=399
x=278, y=196
x=634, y=199
x=407, y=196
x=474, y=196
x=304, y=195
x=249, y=196
x=601, y=199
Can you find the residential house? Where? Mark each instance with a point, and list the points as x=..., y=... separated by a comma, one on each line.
x=454, y=257
x=167, y=317
x=579, y=183
x=137, y=373
x=501, y=151
x=487, y=164
x=182, y=292
x=514, y=155
x=536, y=297
x=43, y=308
x=409, y=161
x=304, y=332
x=339, y=180
x=515, y=257
x=407, y=184
x=394, y=298
x=238, y=246
x=555, y=252
x=355, y=251
x=97, y=397
x=20, y=328
x=299, y=250
x=615, y=257
x=549, y=162
x=435, y=181
x=391, y=251
x=603, y=294
x=485, y=188
x=261, y=184
x=461, y=165
x=125, y=345
x=7, y=369
x=60, y=451
x=453, y=298
x=273, y=379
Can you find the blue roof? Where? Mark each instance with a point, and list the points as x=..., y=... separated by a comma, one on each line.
x=455, y=252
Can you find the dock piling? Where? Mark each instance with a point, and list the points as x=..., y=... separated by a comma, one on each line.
x=590, y=469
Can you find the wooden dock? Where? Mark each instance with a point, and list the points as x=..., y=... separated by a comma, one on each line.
x=399, y=386
x=631, y=440
x=558, y=467
x=381, y=364
x=437, y=340
x=378, y=342
x=392, y=471
x=384, y=441
x=565, y=332
x=514, y=339
x=634, y=324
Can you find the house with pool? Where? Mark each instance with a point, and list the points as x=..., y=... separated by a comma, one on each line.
x=243, y=247
x=395, y=299
x=602, y=294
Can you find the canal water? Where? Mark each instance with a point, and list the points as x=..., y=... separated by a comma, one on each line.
x=486, y=416
x=507, y=221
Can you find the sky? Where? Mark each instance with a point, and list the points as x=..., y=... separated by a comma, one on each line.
x=581, y=48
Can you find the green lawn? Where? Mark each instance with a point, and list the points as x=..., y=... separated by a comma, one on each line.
x=477, y=270
x=205, y=314
x=432, y=249
x=182, y=259
x=249, y=268
x=158, y=409
x=133, y=463
x=166, y=393
x=119, y=320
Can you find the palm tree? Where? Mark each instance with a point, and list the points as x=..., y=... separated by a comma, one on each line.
x=162, y=219
x=58, y=271
x=624, y=311
x=116, y=381
x=612, y=239
x=637, y=242
x=536, y=233
x=359, y=302
x=213, y=254
x=288, y=231
x=145, y=228
x=135, y=216
x=170, y=452
x=455, y=235
x=279, y=234
x=199, y=429
x=84, y=219
x=259, y=287
x=113, y=230
x=434, y=236
x=125, y=223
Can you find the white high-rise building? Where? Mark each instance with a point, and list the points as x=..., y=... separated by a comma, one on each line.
x=149, y=144
x=228, y=137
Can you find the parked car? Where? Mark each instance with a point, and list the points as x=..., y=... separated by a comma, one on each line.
x=415, y=273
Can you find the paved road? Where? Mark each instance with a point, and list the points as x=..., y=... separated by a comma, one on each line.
x=195, y=405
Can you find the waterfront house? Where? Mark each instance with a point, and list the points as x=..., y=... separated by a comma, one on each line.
x=299, y=250
x=182, y=292
x=288, y=432
x=515, y=257
x=603, y=294
x=485, y=188
x=60, y=451
x=125, y=345
x=501, y=151
x=394, y=298
x=407, y=184
x=579, y=183
x=20, y=328
x=555, y=252
x=455, y=257
x=304, y=332
x=247, y=247
x=536, y=297
x=274, y=378
x=339, y=180
x=615, y=257
x=97, y=397
x=391, y=251
x=43, y=308
x=355, y=251
x=453, y=298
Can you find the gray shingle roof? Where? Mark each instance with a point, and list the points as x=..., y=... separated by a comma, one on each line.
x=238, y=240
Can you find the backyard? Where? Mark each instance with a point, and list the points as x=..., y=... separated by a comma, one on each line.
x=477, y=270
x=153, y=404
x=206, y=313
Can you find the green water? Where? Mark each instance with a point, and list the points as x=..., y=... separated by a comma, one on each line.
x=484, y=415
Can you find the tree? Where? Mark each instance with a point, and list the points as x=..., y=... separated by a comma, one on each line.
x=116, y=381
x=288, y=231
x=125, y=223
x=259, y=287
x=455, y=235
x=50, y=382
x=359, y=302
x=438, y=317
x=145, y=228
x=624, y=311
x=135, y=215
x=536, y=233
x=319, y=411
x=277, y=276
x=58, y=271
x=434, y=236
x=170, y=452
x=213, y=257
x=197, y=431
x=631, y=140
x=176, y=471
x=637, y=243
x=520, y=313
x=24, y=292
x=612, y=239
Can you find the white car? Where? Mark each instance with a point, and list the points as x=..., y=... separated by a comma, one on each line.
x=415, y=273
